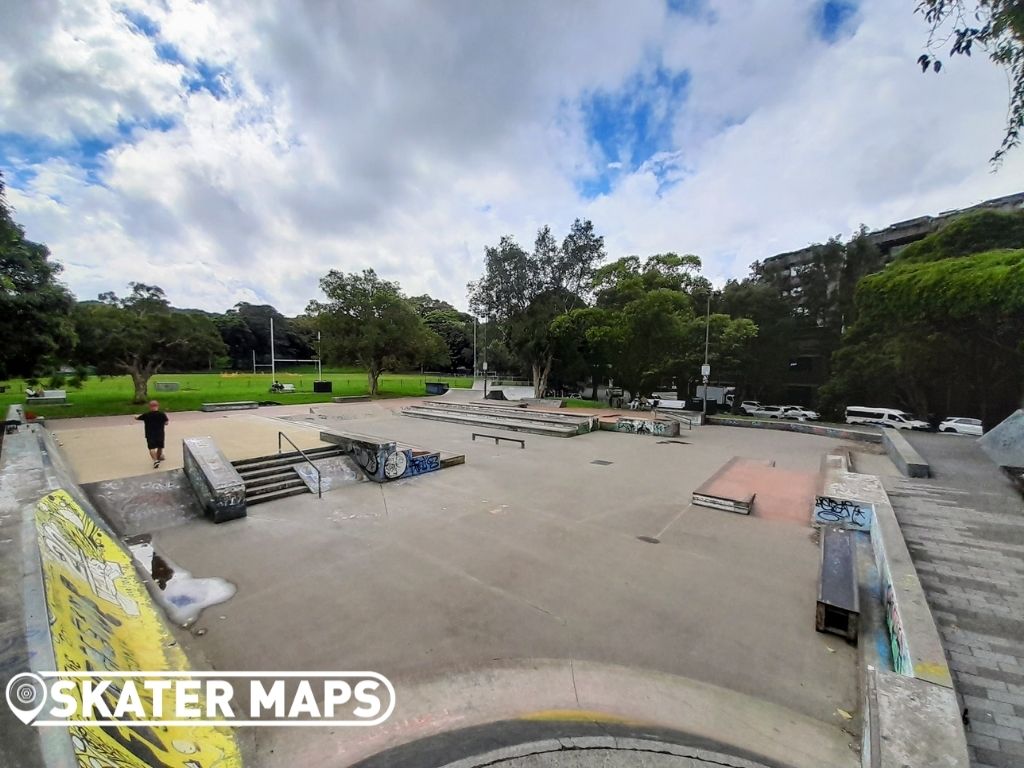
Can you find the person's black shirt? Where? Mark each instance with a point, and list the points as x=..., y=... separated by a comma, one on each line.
x=154, y=421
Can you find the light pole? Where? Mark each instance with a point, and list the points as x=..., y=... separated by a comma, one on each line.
x=705, y=370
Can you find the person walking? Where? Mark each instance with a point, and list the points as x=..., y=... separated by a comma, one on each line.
x=154, y=420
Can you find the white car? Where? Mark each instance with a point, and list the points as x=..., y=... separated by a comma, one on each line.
x=768, y=412
x=749, y=406
x=961, y=426
x=799, y=413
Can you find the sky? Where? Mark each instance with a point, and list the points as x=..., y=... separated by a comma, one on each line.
x=235, y=152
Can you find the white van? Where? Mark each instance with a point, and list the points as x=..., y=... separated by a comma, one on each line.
x=883, y=417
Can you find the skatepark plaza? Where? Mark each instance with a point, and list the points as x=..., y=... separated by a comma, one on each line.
x=541, y=586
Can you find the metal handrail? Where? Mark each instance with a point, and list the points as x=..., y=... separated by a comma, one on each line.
x=302, y=453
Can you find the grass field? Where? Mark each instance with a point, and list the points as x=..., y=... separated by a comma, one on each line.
x=573, y=402
x=112, y=396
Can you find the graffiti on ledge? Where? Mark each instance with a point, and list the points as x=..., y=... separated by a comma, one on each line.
x=853, y=515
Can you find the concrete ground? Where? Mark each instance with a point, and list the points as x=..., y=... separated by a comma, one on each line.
x=965, y=530
x=517, y=584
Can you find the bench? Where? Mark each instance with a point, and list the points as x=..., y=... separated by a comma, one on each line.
x=496, y=438
x=167, y=386
x=838, y=607
x=275, y=387
x=238, y=405
x=48, y=397
x=672, y=405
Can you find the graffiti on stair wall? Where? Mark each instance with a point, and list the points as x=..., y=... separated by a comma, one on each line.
x=647, y=427
x=383, y=462
x=853, y=515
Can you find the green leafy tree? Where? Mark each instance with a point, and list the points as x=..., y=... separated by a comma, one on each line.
x=767, y=361
x=37, y=328
x=939, y=328
x=367, y=321
x=994, y=26
x=141, y=335
x=456, y=329
x=526, y=292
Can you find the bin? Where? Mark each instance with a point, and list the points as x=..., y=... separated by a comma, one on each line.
x=323, y=386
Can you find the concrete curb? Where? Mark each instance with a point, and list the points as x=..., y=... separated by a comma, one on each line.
x=797, y=426
x=904, y=455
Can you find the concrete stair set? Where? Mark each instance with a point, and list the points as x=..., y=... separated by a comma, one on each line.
x=268, y=478
x=510, y=417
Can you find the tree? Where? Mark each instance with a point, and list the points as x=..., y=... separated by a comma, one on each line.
x=995, y=26
x=35, y=307
x=455, y=329
x=527, y=292
x=767, y=361
x=367, y=321
x=940, y=328
x=141, y=335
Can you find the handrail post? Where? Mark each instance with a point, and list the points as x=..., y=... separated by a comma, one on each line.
x=302, y=453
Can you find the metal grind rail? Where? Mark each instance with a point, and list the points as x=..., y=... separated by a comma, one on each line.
x=302, y=453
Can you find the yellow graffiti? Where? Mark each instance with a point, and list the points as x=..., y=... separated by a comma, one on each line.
x=102, y=619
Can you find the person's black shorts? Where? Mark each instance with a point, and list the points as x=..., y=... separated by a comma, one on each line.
x=155, y=442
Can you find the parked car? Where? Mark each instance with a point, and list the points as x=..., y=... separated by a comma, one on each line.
x=962, y=425
x=883, y=417
x=749, y=406
x=768, y=412
x=799, y=413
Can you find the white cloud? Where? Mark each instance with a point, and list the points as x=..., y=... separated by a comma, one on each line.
x=407, y=137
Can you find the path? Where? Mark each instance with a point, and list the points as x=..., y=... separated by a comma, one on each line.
x=965, y=531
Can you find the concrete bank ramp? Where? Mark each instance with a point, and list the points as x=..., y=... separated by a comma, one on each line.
x=757, y=487
x=461, y=395
x=513, y=393
x=1005, y=443
x=146, y=503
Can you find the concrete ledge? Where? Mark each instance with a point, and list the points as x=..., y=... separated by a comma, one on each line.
x=216, y=482
x=903, y=454
x=382, y=460
x=15, y=418
x=351, y=399
x=916, y=646
x=797, y=426
x=639, y=426
x=238, y=405
x=911, y=722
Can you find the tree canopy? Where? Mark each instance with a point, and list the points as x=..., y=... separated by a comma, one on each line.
x=995, y=26
x=370, y=323
x=35, y=307
x=140, y=335
x=942, y=327
x=526, y=292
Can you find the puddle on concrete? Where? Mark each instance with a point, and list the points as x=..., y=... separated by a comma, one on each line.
x=182, y=596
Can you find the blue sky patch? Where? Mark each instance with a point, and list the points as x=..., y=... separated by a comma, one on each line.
x=833, y=18
x=20, y=153
x=141, y=23
x=629, y=126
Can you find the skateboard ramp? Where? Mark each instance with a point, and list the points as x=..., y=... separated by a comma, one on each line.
x=757, y=487
x=146, y=503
